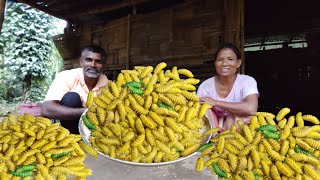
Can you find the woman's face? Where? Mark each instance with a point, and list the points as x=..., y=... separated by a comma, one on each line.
x=227, y=62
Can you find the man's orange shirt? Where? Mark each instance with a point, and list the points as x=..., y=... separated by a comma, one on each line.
x=73, y=81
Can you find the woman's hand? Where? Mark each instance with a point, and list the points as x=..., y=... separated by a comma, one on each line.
x=208, y=100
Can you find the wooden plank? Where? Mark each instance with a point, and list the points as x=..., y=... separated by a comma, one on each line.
x=184, y=51
x=212, y=5
x=212, y=34
x=152, y=51
x=212, y=29
x=108, y=37
x=116, y=66
x=134, y=51
x=117, y=46
x=197, y=36
x=211, y=43
x=166, y=49
x=183, y=14
x=122, y=60
x=123, y=53
x=110, y=59
x=139, y=40
x=171, y=60
x=158, y=24
x=215, y=20
x=119, y=36
x=83, y=41
x=109, y=26
x=159, y=38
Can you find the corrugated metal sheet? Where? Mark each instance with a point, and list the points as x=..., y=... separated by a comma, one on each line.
x=275, y=38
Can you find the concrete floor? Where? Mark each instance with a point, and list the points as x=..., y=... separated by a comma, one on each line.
x=104, y=168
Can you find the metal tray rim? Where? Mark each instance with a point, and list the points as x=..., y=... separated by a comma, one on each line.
x=83, y=128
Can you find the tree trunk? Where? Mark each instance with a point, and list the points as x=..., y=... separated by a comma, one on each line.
x=2, y=9
x=26, y=88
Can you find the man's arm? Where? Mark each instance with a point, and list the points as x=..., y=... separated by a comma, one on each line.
x=52, y=109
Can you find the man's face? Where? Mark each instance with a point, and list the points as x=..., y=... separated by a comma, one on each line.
x=92, y=64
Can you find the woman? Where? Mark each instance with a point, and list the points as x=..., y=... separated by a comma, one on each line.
x=233, y=96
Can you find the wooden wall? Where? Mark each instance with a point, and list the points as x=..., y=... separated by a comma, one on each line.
x=186, y=36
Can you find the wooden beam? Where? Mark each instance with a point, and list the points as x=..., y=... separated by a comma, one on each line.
x=52, y=3
x=2, y=9
x=43, y=9
x=104, y=8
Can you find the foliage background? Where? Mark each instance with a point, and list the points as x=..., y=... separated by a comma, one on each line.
x=28, y=57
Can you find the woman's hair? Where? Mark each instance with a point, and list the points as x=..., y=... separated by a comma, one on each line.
x=232, y=47
x=94, y=49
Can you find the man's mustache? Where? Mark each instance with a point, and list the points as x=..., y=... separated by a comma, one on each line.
x=96, y=70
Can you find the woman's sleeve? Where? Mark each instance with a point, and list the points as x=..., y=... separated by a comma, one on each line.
x=250, y=87
x=201, y=91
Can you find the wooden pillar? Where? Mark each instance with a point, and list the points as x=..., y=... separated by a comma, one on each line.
x=241, y=7
x=128, y=42
x=225, y=20
x=233, y=25
x=2, y=9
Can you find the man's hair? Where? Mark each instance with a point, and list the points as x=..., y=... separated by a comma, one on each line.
x=94, y=49
x=232, y=47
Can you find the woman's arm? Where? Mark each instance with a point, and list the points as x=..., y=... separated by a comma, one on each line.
x=245, y=108
x=52, y=109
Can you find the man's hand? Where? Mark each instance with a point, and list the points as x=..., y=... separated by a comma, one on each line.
x=53, y=110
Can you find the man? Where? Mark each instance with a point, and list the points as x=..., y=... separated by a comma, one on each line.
x=67, y=95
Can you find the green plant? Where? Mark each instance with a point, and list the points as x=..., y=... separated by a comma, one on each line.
x=29, y=58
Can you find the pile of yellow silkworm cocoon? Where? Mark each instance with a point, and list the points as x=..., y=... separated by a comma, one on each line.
x=34, y=148
x=147, y=115
x=268, y=147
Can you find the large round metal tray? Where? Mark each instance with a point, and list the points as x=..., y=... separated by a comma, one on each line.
x=85, y=134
